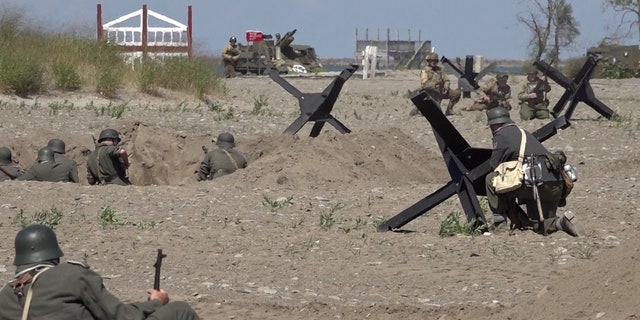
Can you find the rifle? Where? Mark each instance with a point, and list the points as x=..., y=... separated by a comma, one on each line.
x=535, y=174
x=532, y=101
x=157, y=266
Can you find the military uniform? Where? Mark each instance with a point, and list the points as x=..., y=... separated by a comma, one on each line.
x=73, y=291
x=220, y=162
x=536, y=108
x=66, y=169
x=42, y=171
x=506, y=145
x=492, y=95
x=9, y=172
x=434, y=82
x=105, y=167
x=230, y=55
x=70, y=290
x=507, y=139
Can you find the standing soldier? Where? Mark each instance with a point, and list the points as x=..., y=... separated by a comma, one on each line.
x=436, y=84
x=230, y=56
x=8, y=171
x=46, y=288
x=221, y=161
x=532, y=95
x=109, y=162
x=44, y=168
x=64, y=165
x=494, y=93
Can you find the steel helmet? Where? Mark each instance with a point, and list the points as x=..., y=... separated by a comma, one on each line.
x=56, y=145
x=226, y=140
x=233, y=39
x=432, y=56
x=498, y=115
x=109, y=134
x=5, y=156
x=45, y=154
x=36, y=243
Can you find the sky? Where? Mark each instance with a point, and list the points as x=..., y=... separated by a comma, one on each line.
x=455, y=27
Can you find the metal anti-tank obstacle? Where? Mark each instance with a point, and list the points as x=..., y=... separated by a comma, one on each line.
x=316, y=107
x=469, y=166
x=467, y=79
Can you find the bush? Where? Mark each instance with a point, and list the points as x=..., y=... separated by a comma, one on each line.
x=21, y=75
x=65, y=76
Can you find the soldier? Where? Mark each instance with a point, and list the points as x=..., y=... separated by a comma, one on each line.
x=67, y=167
x=221, y=161
x=45, y=288
x=506, y=145
x=8, y=171
x=230, y=56
x=109, y=162
x=532, y=95
x=494, y=93
x=44, y=169
x=436, y=84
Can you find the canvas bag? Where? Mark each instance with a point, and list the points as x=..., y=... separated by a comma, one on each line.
x=510, y=173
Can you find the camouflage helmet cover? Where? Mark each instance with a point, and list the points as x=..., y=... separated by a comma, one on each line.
x=45, y=154
x=36, y=243
x=109, y=134
x=56, y=145
x=432, y=56
x=226, y=140
x=498, y=115
x=5, y=156
x=502, y=76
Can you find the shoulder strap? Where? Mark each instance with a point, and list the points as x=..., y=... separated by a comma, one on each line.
x=523, y=142
x=235, y=164
x=27, y=301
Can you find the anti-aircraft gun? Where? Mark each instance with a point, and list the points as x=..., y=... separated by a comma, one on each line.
x=279, y=54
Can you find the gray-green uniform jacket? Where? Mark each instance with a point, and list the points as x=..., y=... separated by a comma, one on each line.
x=104, y=166
x=41, y=171
x=66, y=168
x=13, y=171
x=219, y=162
x=506, y=145
x=73, y=291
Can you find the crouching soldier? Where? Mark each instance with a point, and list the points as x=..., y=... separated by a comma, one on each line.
x=221, y=161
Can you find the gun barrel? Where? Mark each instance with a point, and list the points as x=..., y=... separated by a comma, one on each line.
x=158, y=266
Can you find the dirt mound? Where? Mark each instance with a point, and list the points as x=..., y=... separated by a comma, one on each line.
x=387, y=157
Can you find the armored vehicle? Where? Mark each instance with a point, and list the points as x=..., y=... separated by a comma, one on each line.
x=278, y=53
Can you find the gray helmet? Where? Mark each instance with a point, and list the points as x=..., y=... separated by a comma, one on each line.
x=502, y=76
x=226, y=140
x=5, y=156
x=36, y=243
x=45, y=154
x=109, y=134
x=233, y=39
x=56, y=145
x=498, y=115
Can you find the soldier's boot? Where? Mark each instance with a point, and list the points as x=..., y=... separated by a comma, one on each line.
x=499, y=219
x=449, y=111
x=564, y=223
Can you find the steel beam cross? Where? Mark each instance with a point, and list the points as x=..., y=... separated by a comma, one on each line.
x=316, y=107
x=468, y=166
